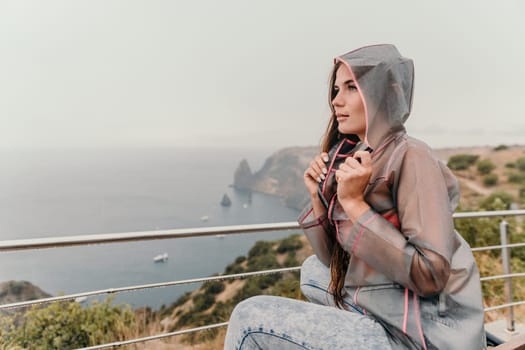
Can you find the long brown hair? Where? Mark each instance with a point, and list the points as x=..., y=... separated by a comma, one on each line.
x=340, y=257
x=331, y=135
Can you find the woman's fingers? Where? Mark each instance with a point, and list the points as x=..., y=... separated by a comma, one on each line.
x=358, y=166
x=343, y=173
x=339, y=175
x=350, y=163
x=319, y=167
x=310, y=172
x=320, y=160
x=361, y=162
x=364, y=158
x=317, y=170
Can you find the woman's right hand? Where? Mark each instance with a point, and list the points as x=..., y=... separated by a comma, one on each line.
x=315, y=173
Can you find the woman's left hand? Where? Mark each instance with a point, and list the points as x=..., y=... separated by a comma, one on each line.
x=352, y=178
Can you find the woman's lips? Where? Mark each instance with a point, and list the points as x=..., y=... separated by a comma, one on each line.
x=341, y=117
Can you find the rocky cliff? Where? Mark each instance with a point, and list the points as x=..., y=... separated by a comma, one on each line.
x=281, y=175
x=15, y=291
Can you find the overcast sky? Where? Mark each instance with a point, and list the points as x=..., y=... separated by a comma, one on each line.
x=104, y=73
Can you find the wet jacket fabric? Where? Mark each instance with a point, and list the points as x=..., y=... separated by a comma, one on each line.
x=408, y=266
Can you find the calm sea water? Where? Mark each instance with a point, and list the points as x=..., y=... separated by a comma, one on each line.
x=70, y=192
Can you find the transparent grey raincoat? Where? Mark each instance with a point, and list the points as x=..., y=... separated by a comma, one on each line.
x=408, y=266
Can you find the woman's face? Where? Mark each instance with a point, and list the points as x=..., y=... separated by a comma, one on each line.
x=348, y=105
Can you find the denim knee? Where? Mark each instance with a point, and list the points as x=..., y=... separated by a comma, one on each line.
x=315, y=278
x=242, y=308
x=308, y=269
x=245, y=310
x=242, y=317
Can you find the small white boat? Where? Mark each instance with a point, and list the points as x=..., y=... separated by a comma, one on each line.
x=205, y=218
x=220, y=235
x=80, y=300
x=161, y=258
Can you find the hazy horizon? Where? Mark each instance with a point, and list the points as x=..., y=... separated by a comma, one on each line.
x=132, y=74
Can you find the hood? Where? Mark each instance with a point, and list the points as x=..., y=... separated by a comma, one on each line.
x=385, y=81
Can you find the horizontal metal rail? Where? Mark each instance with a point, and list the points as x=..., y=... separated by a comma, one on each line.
x=181, y=282
x=493, y=247
x=503, y=306
x=65, y=241
x=497, y=277
x=484, y=214
x=144, y=286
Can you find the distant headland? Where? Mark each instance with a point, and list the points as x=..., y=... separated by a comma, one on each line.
x=282, y=173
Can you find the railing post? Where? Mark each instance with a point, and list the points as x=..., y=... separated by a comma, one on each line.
x=506, y=270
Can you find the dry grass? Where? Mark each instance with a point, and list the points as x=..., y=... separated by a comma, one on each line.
x=471, y=182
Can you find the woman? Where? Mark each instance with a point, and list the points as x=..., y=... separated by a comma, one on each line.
x=389, y=270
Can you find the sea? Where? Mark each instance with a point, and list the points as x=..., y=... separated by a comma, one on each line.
x=67, y=192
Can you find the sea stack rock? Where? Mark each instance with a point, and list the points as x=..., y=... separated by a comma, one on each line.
x=226, y=201
x=243, y=177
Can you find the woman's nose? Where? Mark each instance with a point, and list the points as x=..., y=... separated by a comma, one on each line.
x=337, y=101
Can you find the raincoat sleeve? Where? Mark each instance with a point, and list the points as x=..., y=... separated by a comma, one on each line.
x=315, y=230
x=418, y=254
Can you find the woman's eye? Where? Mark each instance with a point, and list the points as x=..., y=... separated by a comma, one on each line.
x=352, y=87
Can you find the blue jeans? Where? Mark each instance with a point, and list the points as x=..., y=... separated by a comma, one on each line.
x=269, y=322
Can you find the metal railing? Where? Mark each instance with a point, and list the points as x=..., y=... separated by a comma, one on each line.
x=53, y=242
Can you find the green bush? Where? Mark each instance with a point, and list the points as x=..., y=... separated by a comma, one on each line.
x=291, y=243
x=233, y=269
x=66, y=325
x=222, y=311
x=213, y=287
x=263, y=262
x=485, y=166
x=497, y=201
x=520, y=163
x=260, y=248
x=202, y=302
x=480, y=232
x=288, y=287
x=192, y=317
x=501, y=148
x=510, y=165
x=290, y=260
x=490, y=179
x=485, y=231
x=461, y=161
x=517, y=178
x=240, y=259
x=250, y=289
x=266, y=281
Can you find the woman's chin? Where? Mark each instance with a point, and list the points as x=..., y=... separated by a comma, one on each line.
x=346, y=131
